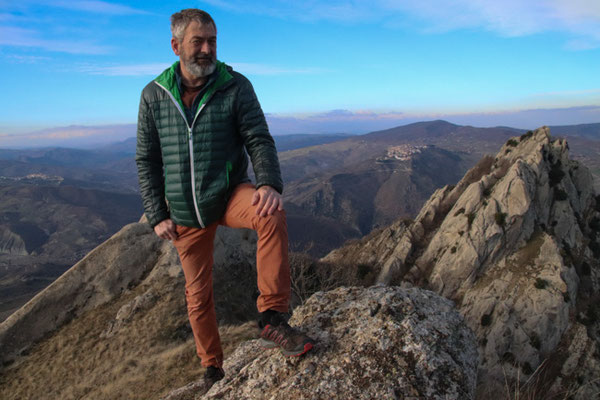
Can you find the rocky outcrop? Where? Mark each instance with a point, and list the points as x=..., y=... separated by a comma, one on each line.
x=516, y=245
x=379, y=342
x=11, y=243
x=132, y=256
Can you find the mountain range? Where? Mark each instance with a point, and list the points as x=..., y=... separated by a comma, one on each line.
x=492, y=291
x=338, y=187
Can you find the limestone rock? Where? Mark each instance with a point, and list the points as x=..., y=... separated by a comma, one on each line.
x=516, y=244
x=127, y=311
x=11, y=243
x=379, y=342
x=376, y=248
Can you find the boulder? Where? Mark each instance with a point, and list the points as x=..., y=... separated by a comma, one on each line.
x=377, y=342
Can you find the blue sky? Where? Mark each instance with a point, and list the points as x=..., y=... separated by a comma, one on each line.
x=317, y=66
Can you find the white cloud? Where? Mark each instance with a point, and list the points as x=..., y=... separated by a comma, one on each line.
x=19, y=37
x=308, y=10
x=69, y=136
x=153, y=69
x=263, y=69
x=347, y=121
x=25, y=59
x=580, y=19
x=124, y=70
x=95, y=6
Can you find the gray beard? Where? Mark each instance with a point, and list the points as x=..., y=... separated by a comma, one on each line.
x=200, y=71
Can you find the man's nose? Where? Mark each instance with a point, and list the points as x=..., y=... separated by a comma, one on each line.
x=205, y=48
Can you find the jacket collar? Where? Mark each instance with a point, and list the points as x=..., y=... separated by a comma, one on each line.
x=168, y=80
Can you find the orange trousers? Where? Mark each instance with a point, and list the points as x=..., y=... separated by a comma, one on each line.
x=195, y=248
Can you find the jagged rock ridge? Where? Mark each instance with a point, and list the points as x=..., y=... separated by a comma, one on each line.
x=515, y=244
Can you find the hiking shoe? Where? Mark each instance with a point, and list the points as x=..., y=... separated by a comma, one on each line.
x=213, y=374
x=292, y=342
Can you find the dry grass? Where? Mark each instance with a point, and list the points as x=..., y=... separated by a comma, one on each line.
x=151, y=355
x=309, y=275
x=537, y=387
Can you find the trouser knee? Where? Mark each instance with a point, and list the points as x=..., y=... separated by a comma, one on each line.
x=275, y=222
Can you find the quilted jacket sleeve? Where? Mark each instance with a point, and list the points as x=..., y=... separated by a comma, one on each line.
x=150, y=166
x=257, y=139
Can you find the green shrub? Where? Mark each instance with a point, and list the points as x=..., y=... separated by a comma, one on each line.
x=486, y=319
x=471, y=218
x=585, y=269
x=595, y=224
x=592, y=313
x=453, y=249
x=560, y=195
x=512, y=143
x=362, y=270
x=556, y=174
x=541, y=283
x=508, y=357
x=500, y=218
x=526, y=136
x=535, y=341
x=595, y=247
x=526, y=368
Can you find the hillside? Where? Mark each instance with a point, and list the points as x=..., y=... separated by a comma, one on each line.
x=343, y=190
x=516, y=245
x=371, y=193
x=45, y=229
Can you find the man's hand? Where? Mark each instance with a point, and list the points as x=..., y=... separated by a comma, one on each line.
x=268, y=200
x=166, y=230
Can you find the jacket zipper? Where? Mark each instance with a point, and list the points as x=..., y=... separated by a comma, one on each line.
x=191, y=149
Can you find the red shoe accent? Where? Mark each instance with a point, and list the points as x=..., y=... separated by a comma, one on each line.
x=307, y=347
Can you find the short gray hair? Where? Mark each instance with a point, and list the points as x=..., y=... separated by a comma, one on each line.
x=180, y=20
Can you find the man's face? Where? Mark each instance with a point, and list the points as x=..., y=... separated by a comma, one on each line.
x=198, y=49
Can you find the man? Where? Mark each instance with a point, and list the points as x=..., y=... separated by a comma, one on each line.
x=195, y=120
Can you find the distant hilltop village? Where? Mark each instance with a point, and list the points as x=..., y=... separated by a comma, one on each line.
x=33, y=179
x=403, y=152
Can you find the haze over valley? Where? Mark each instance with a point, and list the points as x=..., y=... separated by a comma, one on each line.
x=58, y=204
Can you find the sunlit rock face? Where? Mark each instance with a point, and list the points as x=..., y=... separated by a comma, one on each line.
x=516, y=245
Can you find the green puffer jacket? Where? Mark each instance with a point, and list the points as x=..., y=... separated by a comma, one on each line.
x=203, y=162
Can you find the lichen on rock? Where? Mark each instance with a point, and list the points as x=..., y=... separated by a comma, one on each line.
x=378, y=342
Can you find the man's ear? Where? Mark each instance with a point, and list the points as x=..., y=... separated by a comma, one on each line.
x=175, y=46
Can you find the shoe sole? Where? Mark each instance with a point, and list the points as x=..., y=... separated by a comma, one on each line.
x=267, y=344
